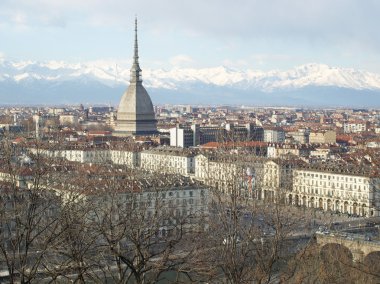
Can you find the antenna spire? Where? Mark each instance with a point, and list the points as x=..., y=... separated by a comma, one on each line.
x=135, y=70
x=136, y=54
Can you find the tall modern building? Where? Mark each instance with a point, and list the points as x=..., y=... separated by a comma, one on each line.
x=135, y=115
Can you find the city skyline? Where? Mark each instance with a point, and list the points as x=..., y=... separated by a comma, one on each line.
x=254, y=35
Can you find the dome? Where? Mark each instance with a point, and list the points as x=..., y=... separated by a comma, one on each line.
x=135, y=104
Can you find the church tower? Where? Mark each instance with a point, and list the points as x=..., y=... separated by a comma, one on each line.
x=135, y=115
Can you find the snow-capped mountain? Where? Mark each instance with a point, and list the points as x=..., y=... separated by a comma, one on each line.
x=104, y=81
x=299, y=77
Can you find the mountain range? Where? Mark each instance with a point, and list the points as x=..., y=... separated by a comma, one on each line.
x=103, y=82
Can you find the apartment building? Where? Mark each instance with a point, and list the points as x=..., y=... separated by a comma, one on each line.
x=355, y=127
x=339, y=189
x=228, y=174
x=168, y=160
x=274, y=135
x=80, y=155
x=280, y=150
x=185, y=136
x=123, y=157
x=323, y=137
x=276, y=179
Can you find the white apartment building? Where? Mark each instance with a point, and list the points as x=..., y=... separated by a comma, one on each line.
x=183, y=202
x=168, y=160
x=165, y=160
x=85, y=155
x=127, y=158
x=338, y=191
x=276, y=179
x=184, y=137
x=228, y=175
x=274, y=135
x=185, y=205
x=201, y=167
x=354, y=127
x=278, y=150
x=218, y=174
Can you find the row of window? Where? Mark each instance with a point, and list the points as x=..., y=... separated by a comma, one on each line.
x=331, y=193
x=329, y=177
x=332, y=184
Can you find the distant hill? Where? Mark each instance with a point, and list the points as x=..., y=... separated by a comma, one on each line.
x=27, y=82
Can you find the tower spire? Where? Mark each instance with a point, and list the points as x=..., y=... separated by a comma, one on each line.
x=136, y=54
x=135, y=70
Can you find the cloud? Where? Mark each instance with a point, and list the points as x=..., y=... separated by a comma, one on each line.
x=302, y=19
x=329, y=27
x=264, y=58
x=53, y=13
x=19, y=18
x=181, y=60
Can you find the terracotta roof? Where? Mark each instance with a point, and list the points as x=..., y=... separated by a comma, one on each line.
x=215, y=145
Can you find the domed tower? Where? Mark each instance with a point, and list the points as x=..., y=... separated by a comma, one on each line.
x=135, y=115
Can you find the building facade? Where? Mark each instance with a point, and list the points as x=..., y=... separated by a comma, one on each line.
x=301, y=137
x=323, y=137
x=355, y=127
x=130, y=159
x=274, y=135
x=185, y=136
x=168, y=160
x=280, y=150
x=227, y=175
x=276, y=179
x=336, y=191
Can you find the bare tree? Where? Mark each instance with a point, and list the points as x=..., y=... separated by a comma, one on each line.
x=28, y=215
x=331, y=263
x=99, y=223
x=142, y=227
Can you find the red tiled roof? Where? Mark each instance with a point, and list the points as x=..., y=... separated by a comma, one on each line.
x=214, y=145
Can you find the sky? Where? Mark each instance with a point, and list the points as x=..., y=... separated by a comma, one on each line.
x=244, y=34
